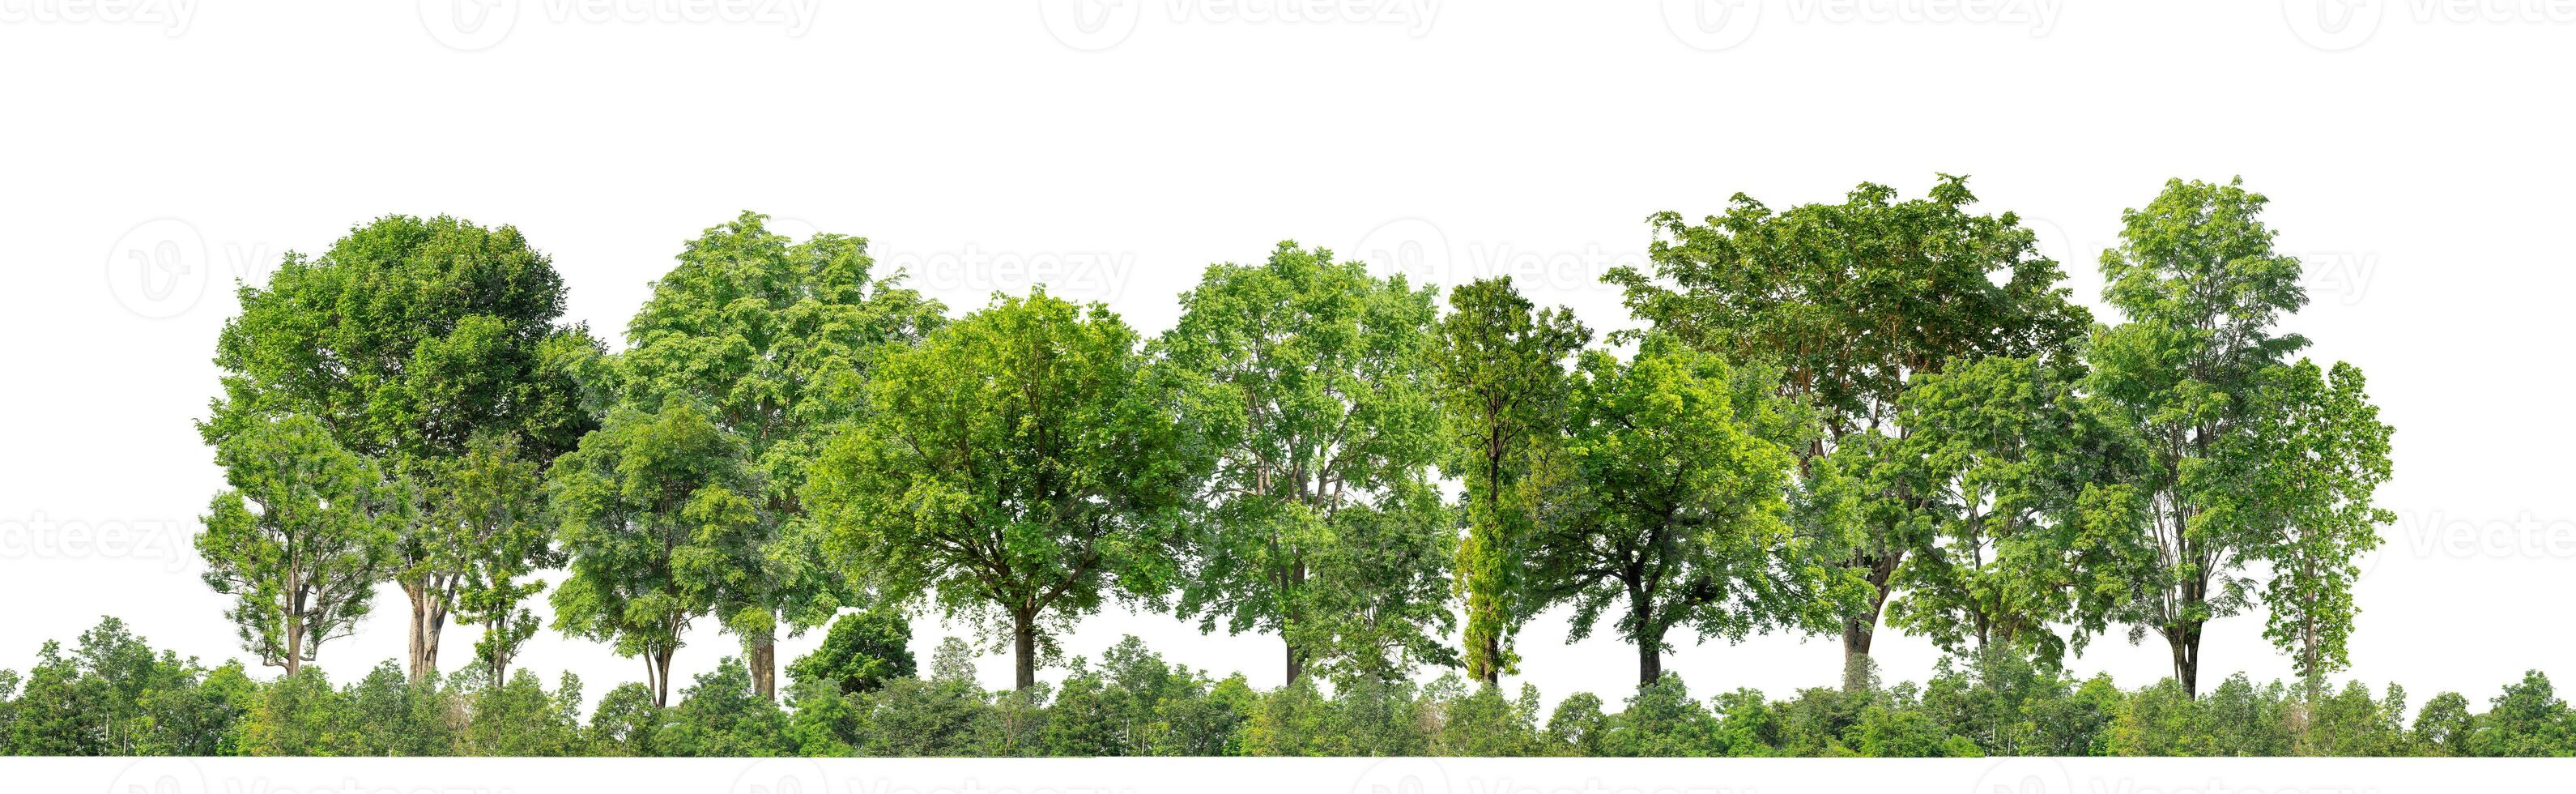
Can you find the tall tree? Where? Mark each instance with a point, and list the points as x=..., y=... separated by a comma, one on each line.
x=1325, y=419
x=1684, y=464
x=1503, y=382
x=1850, y=300
x=1014, y=468
x=777, y=337
x=495, y=498
x=2315, y=454
x=406, y=340
x=2023, y=489
x=2201, y=287
x=300, y=538
x=654, y=509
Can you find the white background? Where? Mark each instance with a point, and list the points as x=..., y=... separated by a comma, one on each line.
x=2416, y=154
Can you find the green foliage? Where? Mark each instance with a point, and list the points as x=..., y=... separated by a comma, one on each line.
x=776, y=339
x=2201, y=287
x=1675, y=513
x=2314, y=452
x=407, y=341
x=862, y=652
x=653, y=506
x=1503, y=383
x=1018, y=466
x=1314, y=383
x=521, y=718
x=722, y=716
x=300, y=537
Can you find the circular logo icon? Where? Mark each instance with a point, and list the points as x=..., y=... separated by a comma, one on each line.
x=159, y=776
x=1090, y=25
x=159, y=269
x=1712, y=25
x=782, y=776
x=1413, y=247
x=469, y=25
x=1403, y=776
x=2333, y=25
x=2022, y=775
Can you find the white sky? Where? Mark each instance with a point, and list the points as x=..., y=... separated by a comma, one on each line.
x=2420, y=169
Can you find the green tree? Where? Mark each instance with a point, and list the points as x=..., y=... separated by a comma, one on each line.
x=861, y=653
x=2313, y=453
x=1503, y=382
x=495, y=500
x=1685, y=465
x=2030, y=526
x=652, y=508
x=1016, y=467
x=777, y=338
x=1850, y=300
x=2201, y=287
x=1318, y=383
x=407, y=340
x=300, y=538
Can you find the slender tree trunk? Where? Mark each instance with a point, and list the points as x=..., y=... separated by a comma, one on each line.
x=659, y=669
x=1296, y=586
x=1024, y=639
x=1296, y=664
x=764, y=667
x=294, y=643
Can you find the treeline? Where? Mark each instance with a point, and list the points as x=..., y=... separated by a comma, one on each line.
x=112, y=695
x=1831, y=417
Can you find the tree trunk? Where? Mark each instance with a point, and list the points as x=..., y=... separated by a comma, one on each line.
x=764, y=667
x=1296, y=662
x=1650, y=662
x=2186, y=657
x=658, y=667
x=294, y=643
x=1024, y=638
x=1296, y=586
x=1491, y=650
x=428, y=620
x=1857, y=632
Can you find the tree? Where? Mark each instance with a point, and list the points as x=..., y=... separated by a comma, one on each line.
x=1503, y=383
x=407, y=340
x=1016, y=467
x=862, y=652
x=300, y=538
x=1851, y=300
x=653, y=508
x=495, y=501
x=2196, y=276
x=2313, y=453
x=1685, y=464
x=2020, y=481
x=777, y=338
x=1318, y=384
